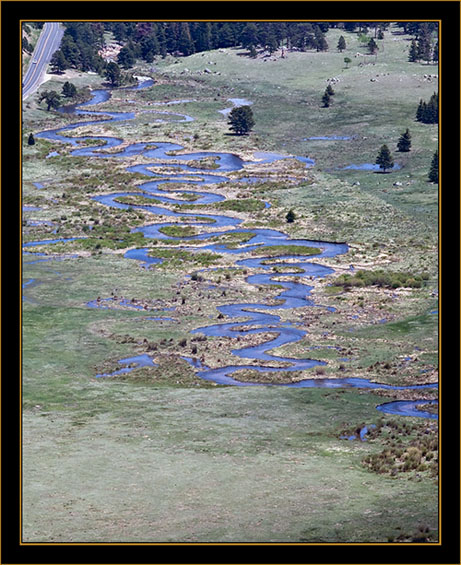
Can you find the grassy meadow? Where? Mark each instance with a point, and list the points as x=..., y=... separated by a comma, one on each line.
x=161, y=455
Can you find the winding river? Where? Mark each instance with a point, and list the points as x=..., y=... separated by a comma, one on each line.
x=258, y=317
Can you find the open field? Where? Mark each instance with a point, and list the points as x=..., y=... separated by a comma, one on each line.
x=161, y=453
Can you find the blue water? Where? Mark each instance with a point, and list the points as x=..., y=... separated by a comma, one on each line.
x=258, y=317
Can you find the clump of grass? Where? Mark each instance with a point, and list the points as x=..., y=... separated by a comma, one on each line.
x=178, y=231
x=381, y=278
x=419, y=454
x=277, y=250
x=177, y=257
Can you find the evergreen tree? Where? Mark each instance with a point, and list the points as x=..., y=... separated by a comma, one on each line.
x=241, y=120
x=69, y=90
x=424, y=42
x=384, y=158
x=413, y=54
x=435, y=53
x=420, y=111
x=113, y=74
x=341, y=44
x=253, y=52
x=58, y=62
x=185, y=43
x=434, y=170
x=126, y=57
x=372, y=46
x=404, y=142
x=31, y=140
x=428, y=113
x=319, y=40
x=52, y=99
x=326, y=99
x=347, y=61
x=330, y=90
x=249, y=35
x=290, y=217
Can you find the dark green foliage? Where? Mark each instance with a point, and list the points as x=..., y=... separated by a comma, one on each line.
x=319, y=40
x=241, y=120
x=113, y=74
x=434, y=170
x=326, y=99
x=330, y=90
x=413, y=54
x=126, y=58
x=290, y=217
x=52, y=99
x=58, y=62
x=428, y=112
x=381, y=278
x=347, y=61
x=424, y=43
x=435, y=53
x=372, y=46
x=31, y=140
x=404, y=142
x=69, y=90
x=185, y=38
x=341, y=44
x=79, y=47
x=384, y=158
x=26, y=46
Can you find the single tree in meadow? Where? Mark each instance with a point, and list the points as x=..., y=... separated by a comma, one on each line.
x=404, y=142
x=330, y=90
x=52, y=99
x=347, y=61
x=241, y=120
x=31, y=140
x=290, y=217
x=384, y=158
x=326, y=98
x=341, y=44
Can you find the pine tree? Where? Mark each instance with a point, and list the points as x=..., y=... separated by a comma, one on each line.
x=290, y=217
x=435, y=53
x=69, y=90
x=384, y=158
x=424, y=43
x=113, y=74
x=52, y=99
x=241, y=120
x=413, y=54
x=126, y=57
x=372, y=46
x=434, y=170
x=326, y=99
x=58, y=62
x=420, y=111
x=31, y=140
x=330, y=90
x=341, y=44
x=404, y=142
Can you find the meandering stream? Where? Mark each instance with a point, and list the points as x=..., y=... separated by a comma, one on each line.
x=257, y=317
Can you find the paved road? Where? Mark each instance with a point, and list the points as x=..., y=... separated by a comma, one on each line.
x=47, y=44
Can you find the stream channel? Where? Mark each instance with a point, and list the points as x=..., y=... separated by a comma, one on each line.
x=258, y=317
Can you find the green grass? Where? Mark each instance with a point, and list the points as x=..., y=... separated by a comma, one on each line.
x=160, y=454
x=256, y=465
